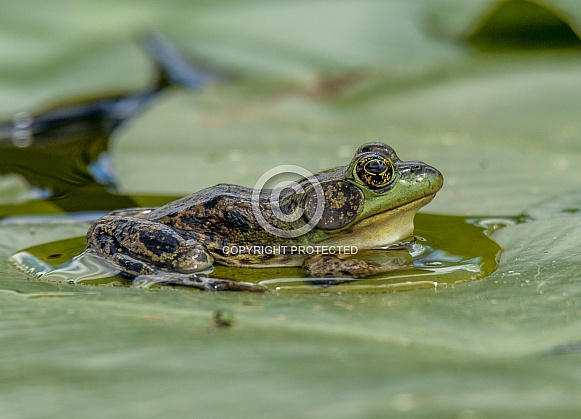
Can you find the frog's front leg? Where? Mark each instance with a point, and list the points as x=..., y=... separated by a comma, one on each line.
x=332, y=265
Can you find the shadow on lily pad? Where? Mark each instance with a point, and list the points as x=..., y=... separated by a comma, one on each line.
x=524, y=25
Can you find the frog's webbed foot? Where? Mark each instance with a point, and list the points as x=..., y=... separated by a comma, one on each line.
x=335, y=266
x=331, y=265
x=206, y=283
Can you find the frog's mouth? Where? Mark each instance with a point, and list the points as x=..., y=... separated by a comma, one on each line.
x=382, y=230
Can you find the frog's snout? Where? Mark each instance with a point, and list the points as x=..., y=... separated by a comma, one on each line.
x=434, y=177
x=420, y=172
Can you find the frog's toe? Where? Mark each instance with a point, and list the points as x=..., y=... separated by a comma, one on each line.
x=205, y=283
x=218, y=284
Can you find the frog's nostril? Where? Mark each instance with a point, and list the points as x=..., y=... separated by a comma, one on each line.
x=415, y=168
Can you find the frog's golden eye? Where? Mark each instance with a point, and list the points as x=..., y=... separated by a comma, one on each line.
x=375, y=171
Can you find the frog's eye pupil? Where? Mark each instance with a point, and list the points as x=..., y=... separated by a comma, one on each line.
x=375, y=171
x=376, y=166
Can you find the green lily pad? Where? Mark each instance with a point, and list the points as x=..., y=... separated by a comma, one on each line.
x=560, y=206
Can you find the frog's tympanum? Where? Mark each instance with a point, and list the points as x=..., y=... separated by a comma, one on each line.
x=368, y=204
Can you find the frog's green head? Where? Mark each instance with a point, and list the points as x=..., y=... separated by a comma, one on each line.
x=371, y=202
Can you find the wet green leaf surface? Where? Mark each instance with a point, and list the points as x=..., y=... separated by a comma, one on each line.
x=317, y=79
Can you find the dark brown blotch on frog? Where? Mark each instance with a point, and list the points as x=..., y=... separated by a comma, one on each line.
x=343, y=202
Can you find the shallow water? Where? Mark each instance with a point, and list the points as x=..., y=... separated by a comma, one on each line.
x=448, y=250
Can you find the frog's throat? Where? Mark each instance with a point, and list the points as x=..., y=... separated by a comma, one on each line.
x=381, y=230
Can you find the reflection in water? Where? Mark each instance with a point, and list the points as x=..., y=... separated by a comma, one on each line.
x=449, y=250
x=81, y=268
x=62, y=150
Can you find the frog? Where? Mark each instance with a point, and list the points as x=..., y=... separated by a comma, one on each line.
x=369, y=203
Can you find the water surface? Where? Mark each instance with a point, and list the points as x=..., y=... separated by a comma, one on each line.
x=448, y=250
